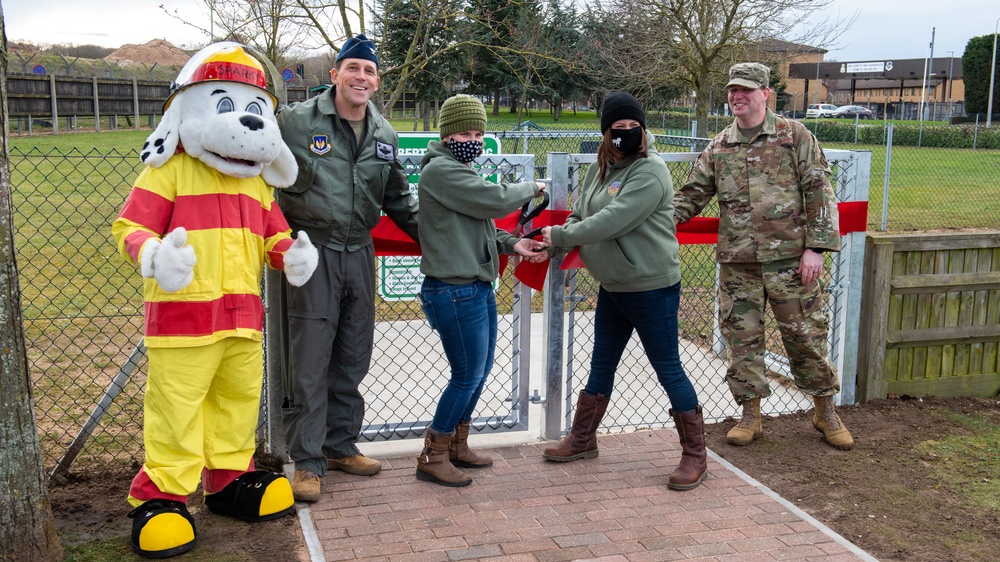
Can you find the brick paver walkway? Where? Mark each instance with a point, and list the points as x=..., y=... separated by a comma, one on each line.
x=613, y=508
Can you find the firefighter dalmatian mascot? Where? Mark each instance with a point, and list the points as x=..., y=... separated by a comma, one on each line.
x=200, y=222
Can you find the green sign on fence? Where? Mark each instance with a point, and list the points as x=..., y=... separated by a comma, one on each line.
x=399, y=276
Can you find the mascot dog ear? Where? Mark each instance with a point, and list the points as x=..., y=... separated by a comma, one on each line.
x=162, y=142
x=283, y=170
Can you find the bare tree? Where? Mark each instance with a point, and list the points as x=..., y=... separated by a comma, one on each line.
x=279, y=28
x=27, y=529
x=446, y=17
x=702, y=38
x=276, y=28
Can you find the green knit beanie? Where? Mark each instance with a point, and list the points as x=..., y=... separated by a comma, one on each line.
x=461, y=113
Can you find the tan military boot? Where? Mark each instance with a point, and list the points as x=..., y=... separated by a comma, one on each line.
x=355, y=464
x=305, y=486
x=825, y=419
x=749, y=426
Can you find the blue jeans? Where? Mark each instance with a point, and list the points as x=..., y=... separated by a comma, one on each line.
x=653, y=314
x=465, y=316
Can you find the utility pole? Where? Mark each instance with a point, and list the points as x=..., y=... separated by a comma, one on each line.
x=951, y=79
x=993, y=75
x=923, y=87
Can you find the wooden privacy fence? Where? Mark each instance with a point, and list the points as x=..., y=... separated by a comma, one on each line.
x=930, y=321
x=43, y=100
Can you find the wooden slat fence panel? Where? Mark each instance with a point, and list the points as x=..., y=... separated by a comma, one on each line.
x=930, y=323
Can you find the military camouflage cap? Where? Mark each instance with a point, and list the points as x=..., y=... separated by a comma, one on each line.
x=750, y=74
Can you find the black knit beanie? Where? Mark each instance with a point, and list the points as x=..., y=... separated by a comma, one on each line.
x=621, y=105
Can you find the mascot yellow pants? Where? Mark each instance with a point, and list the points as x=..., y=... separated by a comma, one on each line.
x=201, y=408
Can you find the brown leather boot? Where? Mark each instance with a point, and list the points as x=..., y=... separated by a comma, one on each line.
x=433, y=464
x=694, y=460
x=825, y=419
x=581, y=441
x=749, y=426
x=459, y=452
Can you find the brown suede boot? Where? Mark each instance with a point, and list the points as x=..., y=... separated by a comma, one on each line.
x=459, y=452
x=581, y=441
x=694, y=460
x=433, y=464
x=825, y=419
x=749, y=426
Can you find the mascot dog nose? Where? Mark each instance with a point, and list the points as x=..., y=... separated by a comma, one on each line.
x=252, y=122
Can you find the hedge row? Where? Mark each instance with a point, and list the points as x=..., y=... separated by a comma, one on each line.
x=908, y=134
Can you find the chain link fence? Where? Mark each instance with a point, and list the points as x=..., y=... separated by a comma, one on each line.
x=82, y=311
x=924, y=176
x=639, y=401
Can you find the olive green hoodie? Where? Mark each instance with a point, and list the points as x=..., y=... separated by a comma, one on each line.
x=459, y=241
x=624, y=225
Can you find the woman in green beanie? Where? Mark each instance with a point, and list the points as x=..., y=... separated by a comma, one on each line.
x=460, y=247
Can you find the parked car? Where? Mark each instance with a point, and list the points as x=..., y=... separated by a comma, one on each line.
x=794, y=114
x=852, y=111
x=820, y=110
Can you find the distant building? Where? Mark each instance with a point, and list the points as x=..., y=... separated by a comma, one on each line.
x=896, y=88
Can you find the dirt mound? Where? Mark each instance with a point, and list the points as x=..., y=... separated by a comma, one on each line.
x=157, y=51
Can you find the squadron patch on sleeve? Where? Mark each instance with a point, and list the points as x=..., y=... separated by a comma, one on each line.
x=320, y=144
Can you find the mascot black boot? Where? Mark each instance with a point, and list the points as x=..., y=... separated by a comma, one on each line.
x=254, y=496
x=162, y=528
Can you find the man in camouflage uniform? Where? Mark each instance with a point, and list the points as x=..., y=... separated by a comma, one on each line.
x=777, y=215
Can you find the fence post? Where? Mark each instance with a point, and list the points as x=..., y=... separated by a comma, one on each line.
x=135, y=103
x=272, y=433
x=97, y=108
x=854, y=245
x=554, y=318
x=52, y=101
x=885, y=180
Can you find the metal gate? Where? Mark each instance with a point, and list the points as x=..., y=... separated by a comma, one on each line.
x=409, y=370
x=639, y=401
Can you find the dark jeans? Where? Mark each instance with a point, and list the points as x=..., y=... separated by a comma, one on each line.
x=465, y=316
x=653, y=314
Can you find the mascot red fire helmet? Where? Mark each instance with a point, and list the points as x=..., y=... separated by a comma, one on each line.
x=225, y=62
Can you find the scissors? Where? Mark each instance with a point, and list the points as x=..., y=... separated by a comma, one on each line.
x=528, y=212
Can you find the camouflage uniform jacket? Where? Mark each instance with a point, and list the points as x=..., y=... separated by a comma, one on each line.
x=774, y=192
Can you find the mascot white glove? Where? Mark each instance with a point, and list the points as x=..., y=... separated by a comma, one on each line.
x=170, y=261
x=300, y=260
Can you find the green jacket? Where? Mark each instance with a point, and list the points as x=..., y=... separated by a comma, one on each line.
x=459, y=241
x=624, y=225
x=774, y=192
x=340, y=192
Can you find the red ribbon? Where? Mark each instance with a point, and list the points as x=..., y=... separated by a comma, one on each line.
x=391, y=241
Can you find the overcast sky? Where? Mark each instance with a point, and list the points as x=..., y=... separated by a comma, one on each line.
x=884, y=30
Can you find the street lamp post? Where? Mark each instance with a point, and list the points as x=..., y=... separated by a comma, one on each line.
x=993, y=75
x=951, y=80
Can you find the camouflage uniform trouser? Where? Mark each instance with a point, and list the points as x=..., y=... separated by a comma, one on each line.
x=744, y=288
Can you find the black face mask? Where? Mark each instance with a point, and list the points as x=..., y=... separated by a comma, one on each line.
x=627, y=141
x=465, y=151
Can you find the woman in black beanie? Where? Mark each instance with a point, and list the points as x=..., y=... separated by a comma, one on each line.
x=623, y=222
